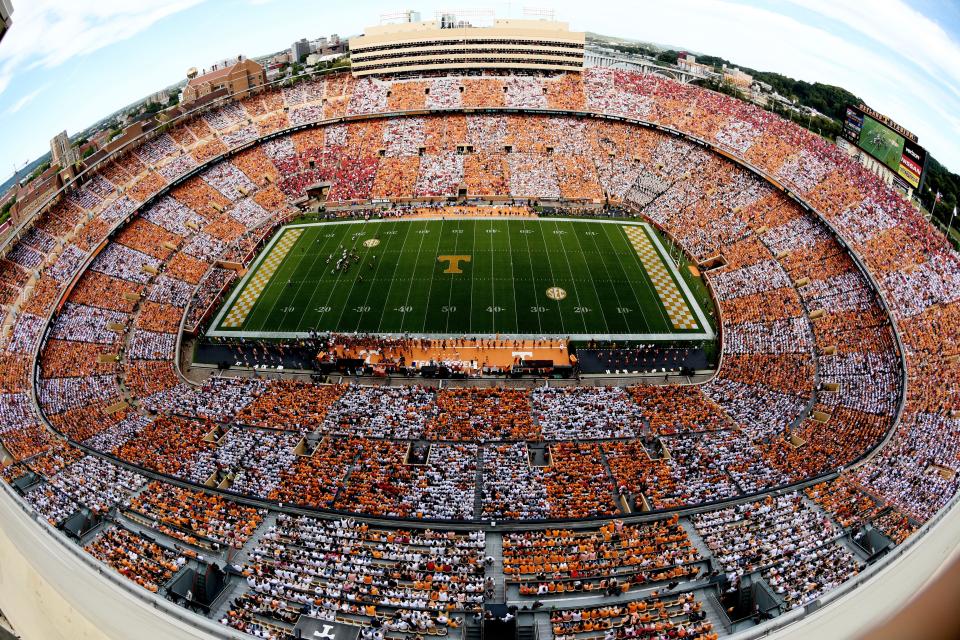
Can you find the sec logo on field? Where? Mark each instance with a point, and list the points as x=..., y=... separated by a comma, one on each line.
x=556, y=293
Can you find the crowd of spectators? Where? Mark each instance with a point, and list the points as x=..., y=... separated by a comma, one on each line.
x=791, y=544
x=586, y=413
x=564, y=561
x=193, y=516
x=147, y=563
x=655, y=616
x=735, y=432
x=326, y=567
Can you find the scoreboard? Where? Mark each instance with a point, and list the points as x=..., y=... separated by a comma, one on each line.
x=888, y=143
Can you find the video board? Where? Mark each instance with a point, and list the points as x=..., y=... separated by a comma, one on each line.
x=888, y=143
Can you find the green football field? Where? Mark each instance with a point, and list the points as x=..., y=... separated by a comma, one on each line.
x=465, y=276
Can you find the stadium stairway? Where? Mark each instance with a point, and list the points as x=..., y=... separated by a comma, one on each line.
x=494, y=549
x=622, y=506
x=472, y=631
x=527, y=632
x=143, y=526
x=544, y=629
x=715, y=616
x=224, y=603
x=124, y=358
x=239, y=558
x=809, y=502
x=845, y=540
x=591, y=599
x=477, y=487
x=695, y=538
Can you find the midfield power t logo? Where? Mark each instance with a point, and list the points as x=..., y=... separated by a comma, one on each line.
x=453, y=263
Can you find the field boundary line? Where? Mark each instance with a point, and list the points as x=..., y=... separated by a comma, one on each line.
x=545, y=224
x=283, y=239
x=672, y=269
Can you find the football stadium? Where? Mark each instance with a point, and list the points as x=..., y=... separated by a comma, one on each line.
x=482, y=348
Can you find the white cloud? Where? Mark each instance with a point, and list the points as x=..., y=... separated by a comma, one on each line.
x=25, y=100
x=902, y=63
x=901, y=29
x=803, y=47
x=47, y=33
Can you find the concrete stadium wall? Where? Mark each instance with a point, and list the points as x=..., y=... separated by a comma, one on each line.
x=863, y=606
x=51, y=590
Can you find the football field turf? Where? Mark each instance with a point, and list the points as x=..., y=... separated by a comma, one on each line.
x=465, y=276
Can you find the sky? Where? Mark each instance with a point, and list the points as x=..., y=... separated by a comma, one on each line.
x=66, y=64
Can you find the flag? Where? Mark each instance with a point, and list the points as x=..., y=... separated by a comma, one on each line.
x=937, y=198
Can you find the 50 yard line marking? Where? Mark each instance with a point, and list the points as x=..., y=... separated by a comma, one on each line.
x=456, y=246
x=533, y=278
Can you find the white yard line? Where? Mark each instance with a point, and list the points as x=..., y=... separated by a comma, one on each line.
x=426, y=305
x=626, y=275
x=533, y=278
x=353, y=281
x=596, y=293
x=300, y=286
x=706, y=334
x=573, y=282
x=403, y=249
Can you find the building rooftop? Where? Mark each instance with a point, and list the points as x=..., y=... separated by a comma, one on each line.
x=508, y=24
x=212, y=76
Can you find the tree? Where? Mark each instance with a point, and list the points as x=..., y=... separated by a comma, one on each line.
x=668, y=57
x=635, y=49
x=725, y=87
x=5, y=211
